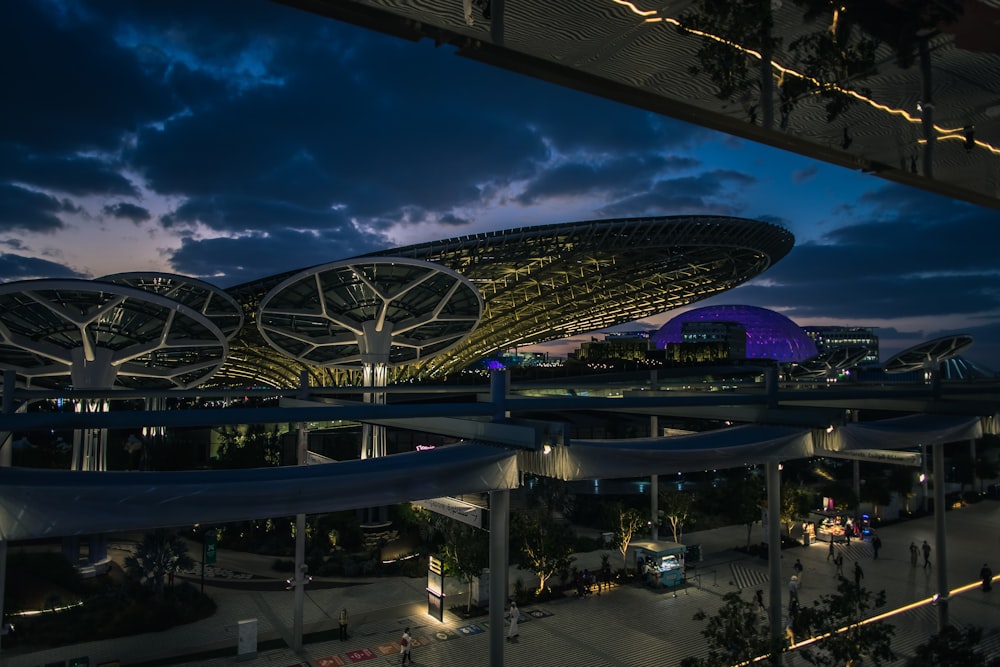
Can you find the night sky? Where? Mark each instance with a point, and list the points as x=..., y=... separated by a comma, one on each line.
x=230, y=140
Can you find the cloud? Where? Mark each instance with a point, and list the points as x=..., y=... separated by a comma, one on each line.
x=127, y=211
x=18, y=267
x=30, y=211
x=229, y=261
x=68, y=174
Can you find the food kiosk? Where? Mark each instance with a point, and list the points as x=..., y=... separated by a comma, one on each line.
x=658, y=563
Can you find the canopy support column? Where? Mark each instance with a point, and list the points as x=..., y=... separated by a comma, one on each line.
x=773, y=530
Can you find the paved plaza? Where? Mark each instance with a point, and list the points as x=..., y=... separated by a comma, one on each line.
x=628, y=626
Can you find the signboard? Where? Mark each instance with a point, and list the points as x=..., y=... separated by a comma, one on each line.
x=474, y=515
x=210, y=551
x=435, y=606
x=435, y=577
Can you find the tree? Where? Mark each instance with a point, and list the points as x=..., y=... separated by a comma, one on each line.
x=730, y=31
x=746, y=492
x=677, y=507
x=251, y=447
x=950, y=648
x=735, y=634
x=466, y=552
x=160, y=553
x=628, y=522
x=900, y=482
x=837, y=617
x=876, y=491
x=795, y=504
x=544, y=545
x=985, y=469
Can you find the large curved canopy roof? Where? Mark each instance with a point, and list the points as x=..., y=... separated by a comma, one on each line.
x=369, y=311
x=94, y=335
x=553, y=281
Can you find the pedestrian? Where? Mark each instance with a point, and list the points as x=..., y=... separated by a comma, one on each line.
x=913, y=554
x=847, y=533
x=514, y=615
x=927, y=554
x=829, y=554
x=404, y=646
x=798, y=567
x=760, y=599
x=839, y=562
x=606, y=574
x=876, y=545
x=986, y=574
x=858, y=574
x=793, y=591
x=342, y=620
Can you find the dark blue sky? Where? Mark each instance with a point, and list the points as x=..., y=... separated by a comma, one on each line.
x=230, y=140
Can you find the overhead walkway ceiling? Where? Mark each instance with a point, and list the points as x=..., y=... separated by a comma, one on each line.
x=55, y=503
x=635, y=53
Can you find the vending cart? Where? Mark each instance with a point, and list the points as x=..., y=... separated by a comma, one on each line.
x=658, y=563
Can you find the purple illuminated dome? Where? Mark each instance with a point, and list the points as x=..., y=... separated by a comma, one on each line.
x=770, y=335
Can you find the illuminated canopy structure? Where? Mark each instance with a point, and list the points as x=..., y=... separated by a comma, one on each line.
x=769, y=335
x=99, y=335
x=372, y=313
x=550, y=282
x=927, y=356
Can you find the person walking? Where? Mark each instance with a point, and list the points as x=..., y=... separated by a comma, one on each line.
x=927, y=554
x=793, y=591
x=405, y=643
x=759, y=595
x=839, y=562
x=342, y=620
x=876, y=545
x=858, y=574
x=514, y=615
x=913, y=554
x=798, y=567
x=986, y=574
x=829, y=553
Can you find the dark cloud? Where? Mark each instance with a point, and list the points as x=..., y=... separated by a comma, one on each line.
x=804, y=175
x=243, y=213
x=18, y=267
x=711, y=192
x=30, y=211
x=126, y=211
x=75, y=88
x=70, y=174
x=614, y=178
x=231, y=261
x=915, y=255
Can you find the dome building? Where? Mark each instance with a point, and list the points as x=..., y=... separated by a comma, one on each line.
x=766, y=334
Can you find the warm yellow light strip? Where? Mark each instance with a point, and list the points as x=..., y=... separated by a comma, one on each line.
x=649, y=17
x=882, y=616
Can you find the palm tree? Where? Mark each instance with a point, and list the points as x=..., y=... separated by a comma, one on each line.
x=160, y=553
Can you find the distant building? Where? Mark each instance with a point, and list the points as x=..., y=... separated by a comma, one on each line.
x=767, y=334
x=830, y=338
x=733, y=336
x=627, y=346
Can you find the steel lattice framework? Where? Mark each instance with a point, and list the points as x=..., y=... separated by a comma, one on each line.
x=550, y=282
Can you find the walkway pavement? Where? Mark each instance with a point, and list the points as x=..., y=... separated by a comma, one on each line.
x=628, y=626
